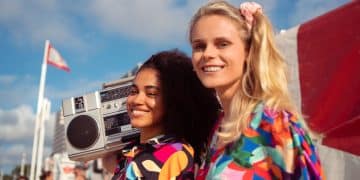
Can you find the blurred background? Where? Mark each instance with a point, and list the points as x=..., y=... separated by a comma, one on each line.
x=102, y=41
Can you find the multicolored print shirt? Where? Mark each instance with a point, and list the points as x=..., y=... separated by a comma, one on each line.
x=162, y=157
x=274, y=146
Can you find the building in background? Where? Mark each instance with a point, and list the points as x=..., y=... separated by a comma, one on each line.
x=59, y=145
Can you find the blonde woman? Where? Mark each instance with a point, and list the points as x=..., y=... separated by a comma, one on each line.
x=260, y=135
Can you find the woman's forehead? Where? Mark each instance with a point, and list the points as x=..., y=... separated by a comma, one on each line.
x=147, y=77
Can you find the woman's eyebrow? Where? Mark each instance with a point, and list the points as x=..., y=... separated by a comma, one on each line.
x=221, y=38
x=196, y=41
x=149, y=87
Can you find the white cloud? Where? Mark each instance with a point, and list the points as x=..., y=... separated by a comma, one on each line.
x=36, y=21
x=18, y=124
x=16, y=135
x=155, y=21
x=160, y=21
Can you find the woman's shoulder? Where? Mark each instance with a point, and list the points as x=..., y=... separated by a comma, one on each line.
x=281, y=127
x=169, y=148
x=276, y=120
x=291, y=136
x=163, y=147
x=161, y=150
x=281, y=134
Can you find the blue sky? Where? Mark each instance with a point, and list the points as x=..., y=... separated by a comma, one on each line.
x=100, y=40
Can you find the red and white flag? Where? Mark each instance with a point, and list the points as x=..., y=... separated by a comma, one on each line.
x=54, y=58
x=324, y=57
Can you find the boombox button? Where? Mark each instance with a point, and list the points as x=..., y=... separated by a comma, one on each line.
x=108, y=106
x=126, y=127
x=115, y=105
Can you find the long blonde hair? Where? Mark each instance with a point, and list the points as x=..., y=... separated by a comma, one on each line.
x=264, y=78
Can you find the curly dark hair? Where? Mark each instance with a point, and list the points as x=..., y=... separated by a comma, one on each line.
x=190, y=109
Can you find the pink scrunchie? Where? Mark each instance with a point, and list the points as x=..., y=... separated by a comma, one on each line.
x=248, y=9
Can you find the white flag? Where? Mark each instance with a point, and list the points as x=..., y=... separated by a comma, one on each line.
x=54, y=58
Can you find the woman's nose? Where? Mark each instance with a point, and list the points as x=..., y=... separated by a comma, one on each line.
x=138, y=99
x=209, y=52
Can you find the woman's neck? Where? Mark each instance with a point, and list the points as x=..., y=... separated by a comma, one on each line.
x=149, y=132
x=226, y=94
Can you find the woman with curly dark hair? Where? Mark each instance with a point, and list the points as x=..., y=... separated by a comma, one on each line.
x=174, y=113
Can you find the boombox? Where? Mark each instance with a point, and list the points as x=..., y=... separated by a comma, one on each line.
x=98, y=123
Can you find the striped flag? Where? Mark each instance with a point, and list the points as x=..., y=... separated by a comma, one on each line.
x=323, y=55
x=324, y=59
x=54, y=58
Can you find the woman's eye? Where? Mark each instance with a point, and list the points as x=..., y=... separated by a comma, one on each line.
x=223, y=44
x=198, y=47
x=133, y=91
x=152, y=94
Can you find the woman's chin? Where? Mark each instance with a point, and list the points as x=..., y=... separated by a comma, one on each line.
x=211, y=83
x=136, y=124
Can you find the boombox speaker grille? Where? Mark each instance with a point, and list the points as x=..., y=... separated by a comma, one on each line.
x=82, y=132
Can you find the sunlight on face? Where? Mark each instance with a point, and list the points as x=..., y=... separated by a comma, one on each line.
x=218, y=53
x=144, y=104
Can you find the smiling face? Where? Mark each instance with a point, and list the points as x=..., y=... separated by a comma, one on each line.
x=218, y=52
x=144, y=104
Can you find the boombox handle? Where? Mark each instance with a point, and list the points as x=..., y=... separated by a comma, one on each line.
x=125, y=79
x=117, y=82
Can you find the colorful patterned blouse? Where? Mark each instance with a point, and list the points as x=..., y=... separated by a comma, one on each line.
x=162, y=157
x=274, y=146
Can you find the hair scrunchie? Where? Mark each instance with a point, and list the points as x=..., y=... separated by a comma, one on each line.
x=248, y=9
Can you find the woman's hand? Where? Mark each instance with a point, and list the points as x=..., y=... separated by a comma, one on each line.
x=109, y=161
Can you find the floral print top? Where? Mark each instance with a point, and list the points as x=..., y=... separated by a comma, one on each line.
x=274, y=146
x=162, y=157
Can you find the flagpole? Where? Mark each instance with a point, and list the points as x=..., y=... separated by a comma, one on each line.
x=44, y=115
x=38, y=116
